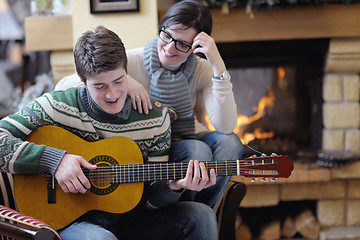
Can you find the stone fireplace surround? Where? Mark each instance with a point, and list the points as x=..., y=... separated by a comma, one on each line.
x=341, y=111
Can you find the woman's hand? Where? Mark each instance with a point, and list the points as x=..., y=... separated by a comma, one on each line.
x=205, y=44
x=196, y=178
x=70, y=176
x=139, y=97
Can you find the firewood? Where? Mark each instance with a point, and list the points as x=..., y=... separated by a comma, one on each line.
x=225, y=8
x=243, y=231
x=270, y=231
x=288, y=229
x=307, y=225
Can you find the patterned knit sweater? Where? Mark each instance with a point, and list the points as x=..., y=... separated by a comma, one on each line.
x=75, y=111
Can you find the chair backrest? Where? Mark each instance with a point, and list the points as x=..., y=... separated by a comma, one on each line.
x=7, y=190
x=229, y=209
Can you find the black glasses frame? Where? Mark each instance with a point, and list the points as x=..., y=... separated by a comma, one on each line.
x=175, y=41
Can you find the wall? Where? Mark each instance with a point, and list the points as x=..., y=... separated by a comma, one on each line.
x=134, y=28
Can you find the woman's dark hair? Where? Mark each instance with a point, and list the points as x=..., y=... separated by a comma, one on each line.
x=99, y=51
x=191, y=14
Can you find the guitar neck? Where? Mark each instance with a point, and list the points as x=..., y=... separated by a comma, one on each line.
x=133, y=173
x=254, y=167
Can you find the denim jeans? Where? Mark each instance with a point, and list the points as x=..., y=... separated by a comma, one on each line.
x=182, y=220
x=213, y=146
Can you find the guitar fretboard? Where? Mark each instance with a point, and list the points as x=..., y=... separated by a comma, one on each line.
x=166, y=171
x=132, y=173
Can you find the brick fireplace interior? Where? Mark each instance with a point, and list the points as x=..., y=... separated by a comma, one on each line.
x=277, y=88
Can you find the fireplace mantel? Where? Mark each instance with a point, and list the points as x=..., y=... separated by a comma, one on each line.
x=332, y=21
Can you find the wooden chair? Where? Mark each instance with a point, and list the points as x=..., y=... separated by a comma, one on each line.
x=14, y=225
x=228, y=210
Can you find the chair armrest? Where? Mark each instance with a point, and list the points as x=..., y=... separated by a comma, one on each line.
x=19, y=231
x=18, y=226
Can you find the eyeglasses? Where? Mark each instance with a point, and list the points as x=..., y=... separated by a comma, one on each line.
x=167, y=38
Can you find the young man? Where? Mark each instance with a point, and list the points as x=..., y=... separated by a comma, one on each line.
x=98, y=110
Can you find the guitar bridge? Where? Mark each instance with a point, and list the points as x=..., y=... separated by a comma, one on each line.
x=51, y=188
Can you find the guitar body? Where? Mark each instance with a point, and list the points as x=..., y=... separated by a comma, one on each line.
x=31, y=191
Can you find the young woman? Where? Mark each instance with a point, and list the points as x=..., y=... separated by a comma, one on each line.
x=168, y=70
x=178, y=78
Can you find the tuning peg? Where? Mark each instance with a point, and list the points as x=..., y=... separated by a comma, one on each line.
x=264, y=179
x=263, y=155
x=273, y=154
x=253, y=156
x=253, y=179
x=274, y=179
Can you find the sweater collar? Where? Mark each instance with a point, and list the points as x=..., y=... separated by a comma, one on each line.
x=97, y=113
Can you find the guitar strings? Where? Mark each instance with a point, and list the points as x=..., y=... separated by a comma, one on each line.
x=177, y=166
x=128, y=173
x=171, y=168
x=108, y=179
x=254, y=150
x=134, y=173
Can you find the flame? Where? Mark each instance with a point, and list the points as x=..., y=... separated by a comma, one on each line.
x=265, y=105
x=282, y=82
x=281, y=72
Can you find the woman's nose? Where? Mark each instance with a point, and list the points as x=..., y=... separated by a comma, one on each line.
x=171, y=46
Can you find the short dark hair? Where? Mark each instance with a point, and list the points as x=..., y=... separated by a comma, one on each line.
x=99, y=51
x=190, y=13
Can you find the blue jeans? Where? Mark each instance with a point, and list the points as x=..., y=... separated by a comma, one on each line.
x=211, y=146
x=182, y=220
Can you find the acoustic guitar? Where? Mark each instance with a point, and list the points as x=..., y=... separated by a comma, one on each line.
x=117, y=185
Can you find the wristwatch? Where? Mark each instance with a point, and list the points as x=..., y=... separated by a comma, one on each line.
x=224, y=76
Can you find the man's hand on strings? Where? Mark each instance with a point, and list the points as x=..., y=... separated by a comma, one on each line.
x=196, y=178
x=70, y=176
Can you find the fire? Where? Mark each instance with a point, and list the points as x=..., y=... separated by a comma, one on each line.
x=282, y=82
x=264, y=106
x=281, y=72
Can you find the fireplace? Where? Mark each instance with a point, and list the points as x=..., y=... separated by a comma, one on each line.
x=278, y=90
x=317, y=112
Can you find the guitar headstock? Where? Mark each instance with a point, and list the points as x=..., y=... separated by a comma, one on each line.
x=266, y=167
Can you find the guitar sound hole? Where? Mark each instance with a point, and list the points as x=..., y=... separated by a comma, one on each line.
x=101, y=177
